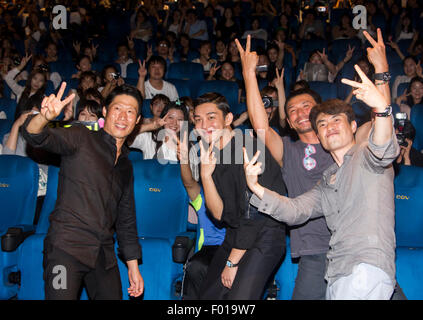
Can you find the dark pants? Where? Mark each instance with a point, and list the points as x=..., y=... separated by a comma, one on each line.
x=64, y=276
x=196, y=271
x=254, y=270
x=310, y=283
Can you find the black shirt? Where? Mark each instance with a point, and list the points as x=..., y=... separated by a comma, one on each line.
x=230, y=182
x=95, y=196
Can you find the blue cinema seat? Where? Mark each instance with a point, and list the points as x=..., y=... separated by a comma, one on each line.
x=186, y=70
x=18, y=196
x=9, y=107
x=409, y=206
x=229, y=89
x=162, y=215
x=409, y=271
x=182, y=86
x=326, y=90
x=416, y=118
x=30, y=253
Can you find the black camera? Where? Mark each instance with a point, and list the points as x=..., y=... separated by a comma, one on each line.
x=115, y=75
x=267, y=102
x=43, y=67
x=404, y=129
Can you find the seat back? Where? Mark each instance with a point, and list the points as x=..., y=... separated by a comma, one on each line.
x=409, y=206
x=161, y=201
x=186, y=70
x=409, y=267
x=229, y=89
x=326, y=90
x=416, y=118
x=18, y=190
x=49, y=200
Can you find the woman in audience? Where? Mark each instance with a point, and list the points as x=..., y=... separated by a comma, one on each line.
x=411, y=69
x=412, y=96
x=157, y=104
x=143, y=29
x=110, y=80
x=162, y=144
x=83, y=65
x=320, y=68
x=204, y=59
x=27, y=96
x=227, y=27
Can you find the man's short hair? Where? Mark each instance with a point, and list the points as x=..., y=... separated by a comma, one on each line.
x=331, y=107
x=157, y=59
x=215, y=98
x=91, y=105
x=128, y=90
x=299, y=92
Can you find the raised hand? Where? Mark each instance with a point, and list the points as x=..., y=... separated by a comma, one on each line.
x=278, y=81
x=213, y=69
x=349, y=54
x=52, y=106
x=252, y=169
x=24, y=61
x=249, y=59
x=367, y=92
x=208, y=160
x=142, y=71
x=323, y=55
x=182, y=148
x=377, y=54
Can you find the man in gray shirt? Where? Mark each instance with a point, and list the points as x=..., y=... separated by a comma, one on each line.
x=355, y=194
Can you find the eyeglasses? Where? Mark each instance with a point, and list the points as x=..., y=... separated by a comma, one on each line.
x=308, y=162
x=162, y=45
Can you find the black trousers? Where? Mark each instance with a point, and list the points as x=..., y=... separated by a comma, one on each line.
x=64, y=276
x=254, y=270
x=196, y=271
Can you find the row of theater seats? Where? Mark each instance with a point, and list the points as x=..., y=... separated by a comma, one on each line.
x=165, y=235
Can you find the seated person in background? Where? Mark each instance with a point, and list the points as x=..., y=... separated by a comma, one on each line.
x=157, y=104
x=344, y=30
x=87, y=80
x=311, y=27
x=300, y=84
x=165, y=51
x=32, y=93
x=89, y=111
x=83, y=65
x=14, y=143
x=227, y=73
x=221, y=50
x=156, y=67
x=110, y=79
x=408, y=156
x=319, y=68
x=194, y=28
x=156, y=143
x=126, y=55
x=204, y=59
x=256, y=31
x=411, y=70
x=143, y=28
x=412, y=96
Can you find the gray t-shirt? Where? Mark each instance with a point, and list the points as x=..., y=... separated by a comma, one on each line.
x=303, y=167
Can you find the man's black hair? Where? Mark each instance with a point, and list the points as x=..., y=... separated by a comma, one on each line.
x=128, y=90
x=157, y=59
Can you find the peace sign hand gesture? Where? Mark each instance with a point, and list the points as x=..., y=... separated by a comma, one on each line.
x=377, y=54
x=208, y=160
x=52, y=106
x=367, y=92
x=249, y=59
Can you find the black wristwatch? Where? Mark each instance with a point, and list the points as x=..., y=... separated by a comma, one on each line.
x=383, y=76
x=230, y=264
x=386, y=113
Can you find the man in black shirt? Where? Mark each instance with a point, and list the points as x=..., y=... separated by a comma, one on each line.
x=95, y=198
x=253, y=244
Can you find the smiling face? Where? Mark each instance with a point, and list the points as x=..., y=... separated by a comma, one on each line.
x=416, y=90
x=175, y=118
x=210, y=122
x=37, y=81
x=410, y=68
x=335, y=132
x=227, y=71
x=298, y=111
x=86, y=115
x=84, y=65
x=121, y=116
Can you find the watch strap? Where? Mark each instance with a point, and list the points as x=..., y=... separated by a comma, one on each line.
x=386, y=113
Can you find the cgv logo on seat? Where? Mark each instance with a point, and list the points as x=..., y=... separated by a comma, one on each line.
x=4, y=185
x=155, y=190
x=402, y=197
